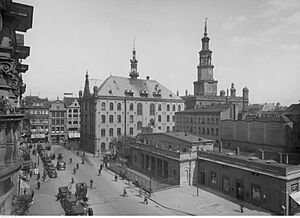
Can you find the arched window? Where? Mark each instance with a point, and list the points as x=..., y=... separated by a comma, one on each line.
x=102, y=147
x=102, y=118
x=139, y=125
x=179, y=107
x=75, y=111
x=131, y=107
x=168, y=107
x=111, y=106
x=131, y=131
x=131, y=119
x=139, y=109
x=119, y=118
x=103, y=106
x=173, y=107
x=159, y=118
x=168, y=118
x=70, y=110
x=119, y=106
x=152, y=109
x=111, y=118
x=159, y=107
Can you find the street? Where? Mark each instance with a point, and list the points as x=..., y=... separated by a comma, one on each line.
x=105, y=197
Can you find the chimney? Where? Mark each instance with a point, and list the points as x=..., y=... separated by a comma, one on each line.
x=147, y=77
x=280, y=157
x=237, y=151
x=220, y=147
x=286, y=159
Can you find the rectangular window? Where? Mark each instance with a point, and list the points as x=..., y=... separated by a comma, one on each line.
x=102, y=118
x=119, y=131
x=75, y=122
x=226, y=185
x=62, y=129
x=256, y=192
x=102, y=132
x=111, y=132
x=213, y=178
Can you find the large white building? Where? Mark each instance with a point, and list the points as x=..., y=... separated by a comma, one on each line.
x=123, y=106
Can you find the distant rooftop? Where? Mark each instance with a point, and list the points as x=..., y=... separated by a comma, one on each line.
x=207, y=108
x=190, y=138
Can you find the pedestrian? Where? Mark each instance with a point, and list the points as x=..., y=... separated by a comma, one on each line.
x=38, y=176
x=70, y=160
x=136, y=182
x=116, y=177
x=74, y=171
x=32, y=195
x=34, y=165
x=124, y=192
x=77, y=153
x=83, y=154
x=242, y=208
x=44, y=177
x=25, y=190
x=90, y=211
x=145, y=199
x=141, y=192
x=38, y=185
x=72, y=180
x=77, y=166
x=99, y=171
x=91, y=183
x=101, y=166
x=82, y=161
x=30, y=173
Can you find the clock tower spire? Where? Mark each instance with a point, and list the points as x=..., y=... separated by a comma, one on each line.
x=205, y=85
x=133, y=73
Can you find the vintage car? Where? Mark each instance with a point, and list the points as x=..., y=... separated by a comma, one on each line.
x=81, y=191
x=60, y=156
x=51, y=172
x=61, y=165
x=63, y=193
x=76, y=210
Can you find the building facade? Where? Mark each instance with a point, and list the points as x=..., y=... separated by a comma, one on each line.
x=73, y=119
x=37, y=118
x=15, y=19
x=58, y=122
x=205, y=88
x=123, y=106
x=205, y=121
x=265, y=183
x=168, y=157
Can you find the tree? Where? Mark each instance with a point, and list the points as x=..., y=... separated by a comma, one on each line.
x=121, y=146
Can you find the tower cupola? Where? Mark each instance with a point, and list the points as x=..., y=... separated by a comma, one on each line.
x=134, y=73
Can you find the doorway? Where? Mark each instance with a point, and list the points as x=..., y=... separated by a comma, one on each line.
x=239, y=189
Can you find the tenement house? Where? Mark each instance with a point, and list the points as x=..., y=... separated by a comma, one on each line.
x=204, y=110
x=123, y=106
x=36, y=122
x=15, y=19
x=58, y=119
x=274, y=137
x=73, y=118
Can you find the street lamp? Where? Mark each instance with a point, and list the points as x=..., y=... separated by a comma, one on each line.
x=38, y=156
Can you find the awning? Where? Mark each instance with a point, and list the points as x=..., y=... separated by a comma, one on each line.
x=38, y=136
x=74, y=135
x=296, y=197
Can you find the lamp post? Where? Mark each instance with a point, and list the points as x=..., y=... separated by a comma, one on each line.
x=38, y=156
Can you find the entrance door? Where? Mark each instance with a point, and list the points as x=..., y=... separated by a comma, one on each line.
x=202, y=178
x=239, y=189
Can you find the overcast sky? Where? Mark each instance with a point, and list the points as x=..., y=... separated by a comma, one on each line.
x=255, y=44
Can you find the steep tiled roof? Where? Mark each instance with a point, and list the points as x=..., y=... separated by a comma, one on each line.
x=117, y=86
x=294, y=109
x=69, y=100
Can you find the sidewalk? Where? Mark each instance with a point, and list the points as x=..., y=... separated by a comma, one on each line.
x=207, y=203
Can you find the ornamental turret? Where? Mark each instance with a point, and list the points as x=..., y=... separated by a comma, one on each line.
x=134, y=73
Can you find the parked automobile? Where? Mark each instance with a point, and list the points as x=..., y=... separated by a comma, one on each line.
x=51, y=172
x=61, y=165
x=49, y=164
x=63, y=193
x=60, y=156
